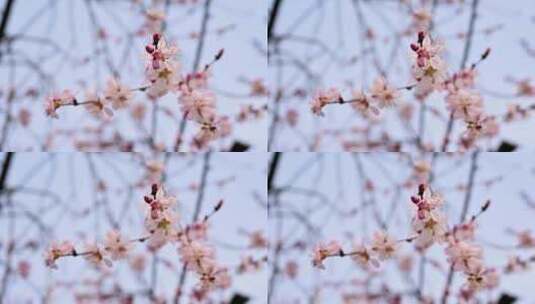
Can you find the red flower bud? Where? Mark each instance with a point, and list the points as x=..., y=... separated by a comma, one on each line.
x=421, y=189
x=156, y=38
x=421, y=36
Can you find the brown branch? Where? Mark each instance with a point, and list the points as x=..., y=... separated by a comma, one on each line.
x=5, y=18
x=198, y=206
x=275, y=9
x=196, y=62
x=8, y=160
x=466, y=204
x=273, y=166
x=202, y=187
x=273, y=202
x=202, y=35
x=467, y=46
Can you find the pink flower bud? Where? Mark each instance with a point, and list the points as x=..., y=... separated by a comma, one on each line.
x=149, y=49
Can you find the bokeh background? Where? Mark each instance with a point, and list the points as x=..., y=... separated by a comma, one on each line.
x=52, y=45
x=344, y=196
x=346, y=44
x=54, y=197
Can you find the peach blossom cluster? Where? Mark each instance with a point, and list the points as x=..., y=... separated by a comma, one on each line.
x=428, y=67
x=382, y=247
x=466, y=257
x=382, y=95
x=57, y=250
x=57, y=100
x=323, y=98
x=199, y=257
x=429, y=223
x=116, y=94
x=429, y=226
x=115, y=247
x=161, y=218
x=430, y=73
x=325, y=250
x=162, y=225
x=363, y=104
x=467, y=105
x=162, y=75
x=162, y=69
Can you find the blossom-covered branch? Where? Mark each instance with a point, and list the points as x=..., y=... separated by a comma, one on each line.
x=163, y=226
x=429, y=227
x=429, y=72
x=162, y=75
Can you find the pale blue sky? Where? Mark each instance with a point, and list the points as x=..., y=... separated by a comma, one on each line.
x=67, y=24
x=68, y=176
x=334, y=25
x=335, y=177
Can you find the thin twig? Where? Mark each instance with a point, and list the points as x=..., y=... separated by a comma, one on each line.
x=8, y=160
x=196, y=62
x=466, y=204
x=5, y=18
x=10, y=246
x=273, y=18
x=273, y=166
x=198, y=206
x=466, y=52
